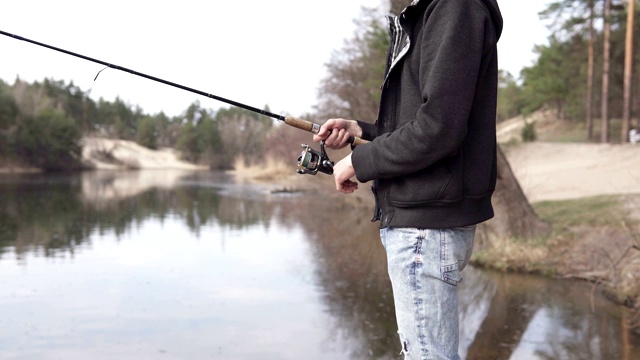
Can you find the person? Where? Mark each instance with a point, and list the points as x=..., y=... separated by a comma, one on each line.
x=431, y=157
x=634, y=136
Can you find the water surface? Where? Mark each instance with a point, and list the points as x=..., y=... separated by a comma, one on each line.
x=167, y=265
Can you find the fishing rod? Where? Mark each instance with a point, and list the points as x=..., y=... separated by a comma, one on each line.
x=309, y=162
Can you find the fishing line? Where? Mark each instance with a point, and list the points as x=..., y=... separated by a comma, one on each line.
x=96, y=78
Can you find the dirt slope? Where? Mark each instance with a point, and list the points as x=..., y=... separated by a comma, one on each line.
x=101, y=153
x=558, y=171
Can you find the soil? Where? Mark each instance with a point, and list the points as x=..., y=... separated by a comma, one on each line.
x=560, y=171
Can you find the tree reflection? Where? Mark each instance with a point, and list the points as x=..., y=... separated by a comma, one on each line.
x=511, y=307
x=501, y=316
x=54, y=215
x=352, y=272
x=531, y=317
x=350, y=262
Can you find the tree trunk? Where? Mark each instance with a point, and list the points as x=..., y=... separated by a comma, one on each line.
x=604, y=117
x=628, y=61
x=514, y=216
x=590, y=74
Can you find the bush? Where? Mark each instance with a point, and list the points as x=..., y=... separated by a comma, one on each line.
x=529, y=132
x=147, y=134
x=8, y=114
x=50, y=141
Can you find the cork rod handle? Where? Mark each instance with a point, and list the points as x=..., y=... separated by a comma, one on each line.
x=314, y=128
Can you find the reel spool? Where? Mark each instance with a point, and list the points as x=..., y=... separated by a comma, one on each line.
x=310, y=161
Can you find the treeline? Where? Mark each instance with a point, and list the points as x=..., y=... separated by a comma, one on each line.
x=586, y=72
x=579, y=76
x=42, y=124
x=584, y=75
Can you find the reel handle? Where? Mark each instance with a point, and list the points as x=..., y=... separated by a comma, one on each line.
x=314, y=128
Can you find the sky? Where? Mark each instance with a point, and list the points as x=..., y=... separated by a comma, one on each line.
x=254, y=52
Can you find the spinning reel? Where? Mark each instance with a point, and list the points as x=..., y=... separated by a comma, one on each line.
x=310, y=161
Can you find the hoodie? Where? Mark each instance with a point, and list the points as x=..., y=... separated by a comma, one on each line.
x=432, y=155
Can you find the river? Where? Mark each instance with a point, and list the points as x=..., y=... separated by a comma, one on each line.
x=180, y=265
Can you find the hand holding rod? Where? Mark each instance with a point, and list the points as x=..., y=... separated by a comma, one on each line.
x=289, y=120
x=314, y=128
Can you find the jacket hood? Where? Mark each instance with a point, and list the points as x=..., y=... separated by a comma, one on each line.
x=494, y=11
x=496, y=16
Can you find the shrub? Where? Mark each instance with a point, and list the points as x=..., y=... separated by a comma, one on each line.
x=529, y=132
x=50, y=141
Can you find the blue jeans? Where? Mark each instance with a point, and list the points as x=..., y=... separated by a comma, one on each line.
x=424, y=268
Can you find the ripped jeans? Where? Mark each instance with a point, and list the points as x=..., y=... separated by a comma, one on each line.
x=424, y=268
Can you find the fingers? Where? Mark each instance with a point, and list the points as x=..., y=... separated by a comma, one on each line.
x=322, y=134
x=337, y=139
x=347, y=187
x=343, y=172
x=325, y=130
x=335, y=133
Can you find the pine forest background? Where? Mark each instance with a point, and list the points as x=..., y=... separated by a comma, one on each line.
x=587, y=76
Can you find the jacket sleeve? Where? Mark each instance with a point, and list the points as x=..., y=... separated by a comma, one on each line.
x=369, y=131
x=450, y=55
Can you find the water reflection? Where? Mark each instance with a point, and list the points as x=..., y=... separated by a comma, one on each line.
x=525, y=317
x=116, y=265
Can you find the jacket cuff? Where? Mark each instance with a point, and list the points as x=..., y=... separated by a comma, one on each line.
x=361, y=161
x=369, y=130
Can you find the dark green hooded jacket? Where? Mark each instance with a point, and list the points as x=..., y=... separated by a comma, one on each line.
x=432, y=157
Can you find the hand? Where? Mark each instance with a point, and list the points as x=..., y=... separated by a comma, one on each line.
x=343, y=171
x=336, y=133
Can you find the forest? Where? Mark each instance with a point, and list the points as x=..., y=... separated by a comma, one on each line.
x=587, y=75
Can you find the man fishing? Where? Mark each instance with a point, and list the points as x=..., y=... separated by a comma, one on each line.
x=431, y=158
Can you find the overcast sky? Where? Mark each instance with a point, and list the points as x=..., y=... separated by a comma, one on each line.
x=256, y=52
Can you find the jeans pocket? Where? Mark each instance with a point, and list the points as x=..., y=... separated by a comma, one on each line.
x=451, y=274
x=456, y=248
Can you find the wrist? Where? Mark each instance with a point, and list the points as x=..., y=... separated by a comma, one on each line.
x=356, y=130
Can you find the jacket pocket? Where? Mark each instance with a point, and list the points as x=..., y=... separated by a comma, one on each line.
x=434, y=184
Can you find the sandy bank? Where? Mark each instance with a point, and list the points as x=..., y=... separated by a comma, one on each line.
x=559, y=171
x=110, y=154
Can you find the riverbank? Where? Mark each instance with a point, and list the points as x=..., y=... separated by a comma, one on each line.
x=113, y=154
x=588, y=193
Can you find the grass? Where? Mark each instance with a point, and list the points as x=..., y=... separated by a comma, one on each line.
x=564, y=132
x=576, y=131
x=569, y=219
x=594, y=238
x=599, y=210
x=522, y=255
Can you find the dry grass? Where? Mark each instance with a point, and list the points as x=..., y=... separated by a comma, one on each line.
x=594, y=238
x=528, y=256
x=282, y=177
x=271, y=170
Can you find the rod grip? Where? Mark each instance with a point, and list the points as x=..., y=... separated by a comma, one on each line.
x=314, y=128
x=355, y=141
